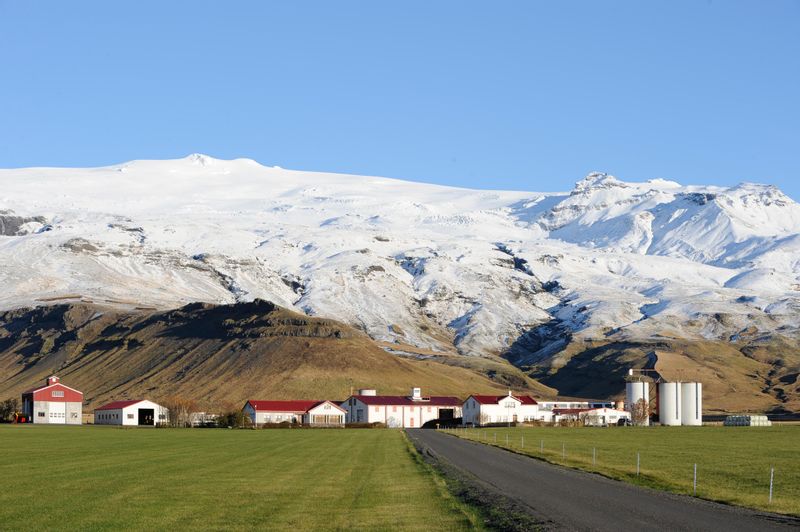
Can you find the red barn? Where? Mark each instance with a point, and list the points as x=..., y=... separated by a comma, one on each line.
x=53, y=403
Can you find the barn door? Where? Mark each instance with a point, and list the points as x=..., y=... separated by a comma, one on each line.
x=58, y=413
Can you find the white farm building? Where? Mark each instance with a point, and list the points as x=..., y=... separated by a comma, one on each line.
x=601, y=417
x=313, y=413
x=137, y=412
x=397, y=411
x=486, y=409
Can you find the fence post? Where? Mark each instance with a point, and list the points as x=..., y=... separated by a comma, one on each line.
x=522, y=442
x=771, y=476
x=637, y=463
x=563, y=450
x=541, y=447
x=594, y=456
x=495, y=437
x=694, y=483
x=506, y=439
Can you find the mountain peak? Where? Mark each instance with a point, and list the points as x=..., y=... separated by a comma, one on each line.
x=595, y=180
x=199, y=159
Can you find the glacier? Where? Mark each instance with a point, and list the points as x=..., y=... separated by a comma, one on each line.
x=414, y=265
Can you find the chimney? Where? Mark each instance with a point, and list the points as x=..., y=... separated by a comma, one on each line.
x=52, y=380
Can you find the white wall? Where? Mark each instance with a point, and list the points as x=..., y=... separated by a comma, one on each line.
x=120, y=416
x=335, y=415
x=396, y=416
x=108, y=417
x=503, y=411
x=601, y=416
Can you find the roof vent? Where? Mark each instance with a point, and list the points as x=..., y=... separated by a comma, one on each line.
x=52, y=380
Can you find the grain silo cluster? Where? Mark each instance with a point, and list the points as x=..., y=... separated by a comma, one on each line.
x=677, y=403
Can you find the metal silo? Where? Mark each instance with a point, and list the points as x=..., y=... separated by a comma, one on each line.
x=669, y=403
x=691, y=404
x=635, y=391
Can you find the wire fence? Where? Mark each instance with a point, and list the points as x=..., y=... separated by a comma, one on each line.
x=695, y=480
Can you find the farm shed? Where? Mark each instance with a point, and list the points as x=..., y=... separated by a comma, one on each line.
x=139, y=412
x=601, y=417
x=53, y=404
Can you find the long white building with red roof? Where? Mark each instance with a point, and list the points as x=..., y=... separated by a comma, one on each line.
x=139, y=412
x=485, y=409
x=398, y=411
x=53, y=404
x=313, y=413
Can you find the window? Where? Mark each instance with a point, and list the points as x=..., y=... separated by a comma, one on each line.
x=130, y=416
x=40, y=414
x=162, y=417
x=57, y=393
x=377, y=409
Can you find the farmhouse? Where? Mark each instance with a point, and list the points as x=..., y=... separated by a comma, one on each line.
x=398, y=411
x=53, y=403
x=139, y=412
x=314, y=413
x=486, y=409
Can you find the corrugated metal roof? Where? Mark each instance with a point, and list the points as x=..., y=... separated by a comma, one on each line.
x=494, y=399
x=33, y=390
x=558, y=411
x=117, y=405
x=399, y=400
x=295, y=407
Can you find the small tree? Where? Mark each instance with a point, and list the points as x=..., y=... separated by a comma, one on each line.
x=640, y=412
x=8, y=408
x=180, y=410
x=234, y=418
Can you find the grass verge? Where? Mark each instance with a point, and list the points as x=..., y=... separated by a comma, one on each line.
x=733, y=463
x=490, y=509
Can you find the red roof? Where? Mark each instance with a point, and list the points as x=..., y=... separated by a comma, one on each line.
x=40, y=388
x=296, y=407
x=559, y=411
x=117, y=405
x=607, y=408
x=399, y=400
x=494, y=399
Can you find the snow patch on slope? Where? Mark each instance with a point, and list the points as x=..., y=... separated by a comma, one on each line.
x=438, y=267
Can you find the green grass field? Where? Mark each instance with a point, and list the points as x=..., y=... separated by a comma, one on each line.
x=108, y=478
x=733, y=463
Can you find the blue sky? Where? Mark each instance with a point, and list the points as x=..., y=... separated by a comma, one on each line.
x=515, y=95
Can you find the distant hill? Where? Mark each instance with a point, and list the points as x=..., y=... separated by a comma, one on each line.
x=220, y=355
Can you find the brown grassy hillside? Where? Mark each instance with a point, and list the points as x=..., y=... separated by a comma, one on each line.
x=755, y=374
x=219, y=355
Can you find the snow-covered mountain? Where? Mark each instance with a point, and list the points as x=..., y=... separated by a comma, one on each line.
x=426, y=267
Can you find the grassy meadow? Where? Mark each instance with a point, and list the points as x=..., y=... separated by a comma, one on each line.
x=109, y=478
x=733, y=463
